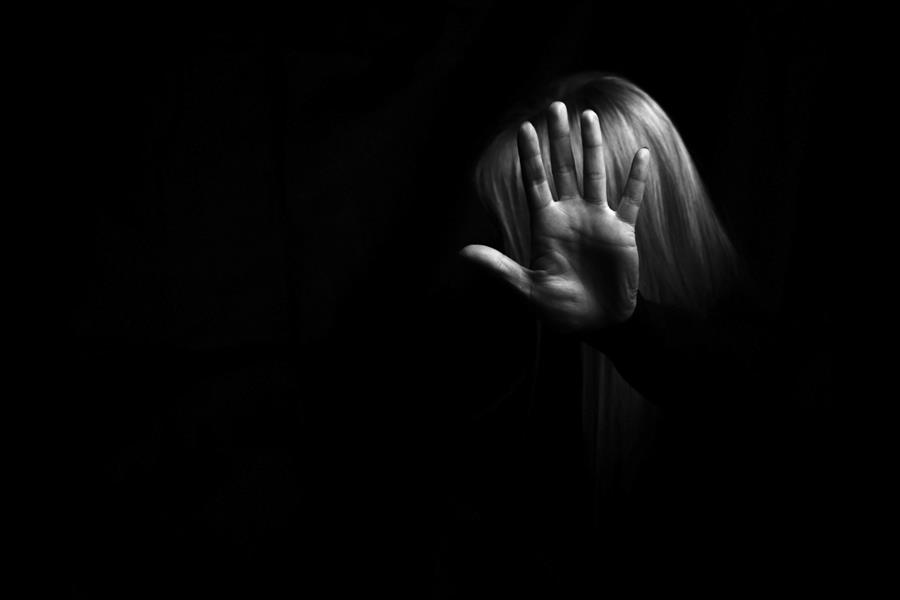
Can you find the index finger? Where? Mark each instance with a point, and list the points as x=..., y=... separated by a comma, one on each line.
x=534, y=178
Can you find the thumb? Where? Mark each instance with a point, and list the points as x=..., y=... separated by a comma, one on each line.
x=500, y=266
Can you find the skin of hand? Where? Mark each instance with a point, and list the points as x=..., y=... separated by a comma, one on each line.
x=583, y=275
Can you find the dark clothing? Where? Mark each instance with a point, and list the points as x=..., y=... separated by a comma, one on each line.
x=723, y=474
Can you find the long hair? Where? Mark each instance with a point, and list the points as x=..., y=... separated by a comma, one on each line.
x=686, y=258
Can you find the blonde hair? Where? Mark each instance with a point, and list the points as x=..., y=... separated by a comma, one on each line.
x=686, y=258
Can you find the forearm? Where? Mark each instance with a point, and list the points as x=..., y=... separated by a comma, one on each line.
x=672, y=356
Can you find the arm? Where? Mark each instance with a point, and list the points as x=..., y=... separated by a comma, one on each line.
x=583, y=276
x=667, y=353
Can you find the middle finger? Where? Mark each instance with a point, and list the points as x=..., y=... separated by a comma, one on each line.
x=561, y=159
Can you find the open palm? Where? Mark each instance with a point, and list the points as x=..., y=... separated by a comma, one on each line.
x=583, y=274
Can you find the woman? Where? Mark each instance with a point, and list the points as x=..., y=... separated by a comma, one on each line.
x=601, y=212
x=605, y=232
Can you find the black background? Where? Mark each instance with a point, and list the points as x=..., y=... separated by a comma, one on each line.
x=257, y=390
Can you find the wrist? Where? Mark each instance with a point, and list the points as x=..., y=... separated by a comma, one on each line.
x=614, y=330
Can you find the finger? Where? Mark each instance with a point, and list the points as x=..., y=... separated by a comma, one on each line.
x=537, y=188
x=594, y=162
x=631, y=200
x=561, y=158
x=501, y=266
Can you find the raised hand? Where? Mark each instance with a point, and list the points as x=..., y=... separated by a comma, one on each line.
x=583, y=274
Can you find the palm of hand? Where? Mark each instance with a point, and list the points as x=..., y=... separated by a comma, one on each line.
x=584, y=267
x=584, y=259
